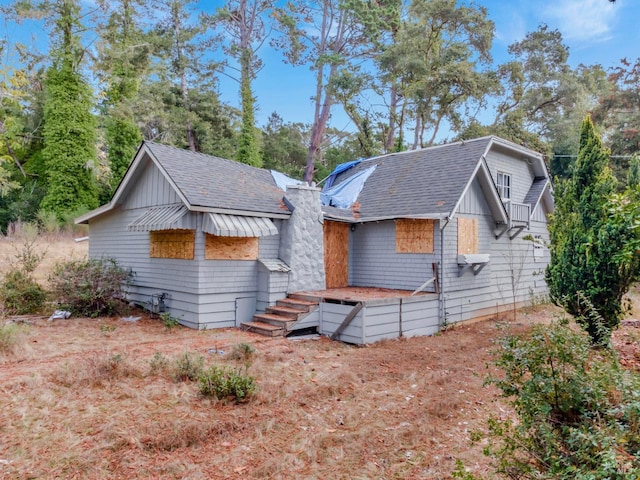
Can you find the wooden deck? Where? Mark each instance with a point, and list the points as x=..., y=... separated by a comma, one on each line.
x=360, y=294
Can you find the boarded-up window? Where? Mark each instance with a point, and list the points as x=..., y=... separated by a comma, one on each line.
x=230, y=248
x=414, y=236
x=467, y=235
x=172, y=244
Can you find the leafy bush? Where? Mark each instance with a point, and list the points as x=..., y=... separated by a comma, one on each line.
x=188, y=367
x=21, y=294
x=578, y=411
x=90, y=287
x=19, y=291
x=226, y=383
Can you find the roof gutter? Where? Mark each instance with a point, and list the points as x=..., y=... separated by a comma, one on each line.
x=428, y=216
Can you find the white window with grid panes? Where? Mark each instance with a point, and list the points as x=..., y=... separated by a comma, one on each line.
x=504, y=185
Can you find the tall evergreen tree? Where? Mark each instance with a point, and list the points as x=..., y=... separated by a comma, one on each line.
x=587, y=274
x=122, y=61
x=179, y=48
x=243, y=24
x=70, y=128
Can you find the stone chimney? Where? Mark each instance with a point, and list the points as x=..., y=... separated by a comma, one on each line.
x=301, y=239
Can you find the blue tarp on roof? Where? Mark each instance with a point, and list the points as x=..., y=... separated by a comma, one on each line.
x=346, y=193
x=283, y=180
x=343, y=167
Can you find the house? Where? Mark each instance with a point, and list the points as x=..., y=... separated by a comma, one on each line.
x=440, y=235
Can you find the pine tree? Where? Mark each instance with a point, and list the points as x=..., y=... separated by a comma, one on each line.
x=70, y=128
x=123, y=60
x=587, y=275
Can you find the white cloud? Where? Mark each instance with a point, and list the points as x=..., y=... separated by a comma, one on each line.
x=582, y=20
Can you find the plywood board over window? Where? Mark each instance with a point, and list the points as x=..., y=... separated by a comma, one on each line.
x=467, y=235
x=172, y=244
x=414, y=235
x=230, y=248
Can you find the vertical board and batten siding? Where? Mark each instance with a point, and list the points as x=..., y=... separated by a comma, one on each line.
x=374, y=262
x=151, y=189
x=201, y=293
x=521, y=173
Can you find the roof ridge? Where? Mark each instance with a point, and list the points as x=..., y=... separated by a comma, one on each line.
x=186, y=151
x=430, y=148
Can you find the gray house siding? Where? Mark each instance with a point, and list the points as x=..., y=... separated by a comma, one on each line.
x=521, y=174
x=382, y=318
x=200, y=293
x=373, y=261
x=468, y=296
x=152, y=189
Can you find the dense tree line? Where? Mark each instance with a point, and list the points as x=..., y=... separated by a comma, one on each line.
x=404, y=72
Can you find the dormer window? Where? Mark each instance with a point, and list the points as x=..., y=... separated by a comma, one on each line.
x=504, y=185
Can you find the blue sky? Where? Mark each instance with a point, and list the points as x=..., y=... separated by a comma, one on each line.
x=596, y=31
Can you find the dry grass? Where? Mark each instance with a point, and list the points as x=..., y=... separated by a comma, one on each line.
x=97, y=399
x=56, y=248
x=88, y=404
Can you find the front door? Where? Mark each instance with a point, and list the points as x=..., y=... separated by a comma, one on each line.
x=336, y=254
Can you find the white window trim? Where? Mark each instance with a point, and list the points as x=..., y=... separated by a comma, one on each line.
x=504, y=189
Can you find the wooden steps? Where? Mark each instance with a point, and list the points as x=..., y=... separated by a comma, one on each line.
x=280, y=320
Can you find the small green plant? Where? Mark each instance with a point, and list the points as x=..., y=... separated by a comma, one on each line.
x=19, y=292
x=462, y=473
x=106, y=328
x=158, y=364
x=242, y=351
x=10, y=335
x=227, y=383
x=90, y=287
x=170, y=322
x=188, y=367
x=578, y=411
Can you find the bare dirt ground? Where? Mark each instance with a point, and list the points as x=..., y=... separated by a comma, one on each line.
x=95, y=399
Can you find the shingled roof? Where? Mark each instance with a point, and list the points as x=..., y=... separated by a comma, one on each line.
x=421, y=183
x=213, y=182
x=205, y=183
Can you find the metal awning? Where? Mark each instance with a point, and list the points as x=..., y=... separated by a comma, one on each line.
x=161, y=218
x=224, y=225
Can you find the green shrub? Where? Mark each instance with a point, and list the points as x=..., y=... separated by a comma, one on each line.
x=169, y=321
x=21, y=294
x=226, y=383
x=188, y=367
x=578, y=411
x=90, y=287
